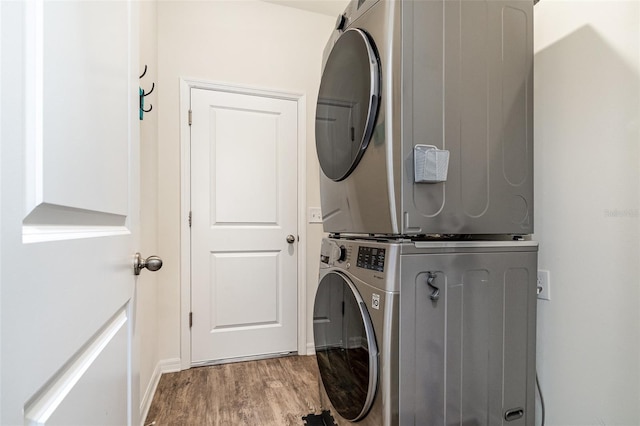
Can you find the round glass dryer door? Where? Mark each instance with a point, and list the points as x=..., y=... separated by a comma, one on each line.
x=346, y=348
x=347, y=104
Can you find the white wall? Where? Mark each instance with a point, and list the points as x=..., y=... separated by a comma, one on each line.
x=587, y=153
x=147, y=283
x=249, y=43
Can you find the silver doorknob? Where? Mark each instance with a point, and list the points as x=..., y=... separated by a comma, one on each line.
x=291, y=239
x=152, y=263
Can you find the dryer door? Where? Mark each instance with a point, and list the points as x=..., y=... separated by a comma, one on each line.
x=346, y=348
x=347, y=103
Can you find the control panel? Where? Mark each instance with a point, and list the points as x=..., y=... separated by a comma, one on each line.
x=367, y=257
x=352, y=12
x=371, y=261
x=371, y=258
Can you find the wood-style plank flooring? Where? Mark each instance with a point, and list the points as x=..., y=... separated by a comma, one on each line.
x=271, y=392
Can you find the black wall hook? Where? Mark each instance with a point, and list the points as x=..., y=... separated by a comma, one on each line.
x=143, y=94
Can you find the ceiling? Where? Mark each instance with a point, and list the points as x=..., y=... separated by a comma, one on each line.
x=325, y=7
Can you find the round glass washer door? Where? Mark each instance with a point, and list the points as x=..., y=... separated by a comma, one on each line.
x=346, y=349
x=348, y=103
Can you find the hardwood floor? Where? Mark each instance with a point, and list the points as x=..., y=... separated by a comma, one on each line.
x=271, y=392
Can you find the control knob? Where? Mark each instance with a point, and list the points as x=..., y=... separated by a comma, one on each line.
x=341, y=22
x=342, y=254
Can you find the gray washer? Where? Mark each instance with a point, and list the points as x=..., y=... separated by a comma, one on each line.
x=427, y=332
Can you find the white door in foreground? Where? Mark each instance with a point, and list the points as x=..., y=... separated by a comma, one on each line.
x=69, y=212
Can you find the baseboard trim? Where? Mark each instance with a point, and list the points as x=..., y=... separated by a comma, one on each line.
x=163, y=366
x=170, y=365
x=311, y=349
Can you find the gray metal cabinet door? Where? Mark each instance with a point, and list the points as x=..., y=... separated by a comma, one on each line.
x=467, y=339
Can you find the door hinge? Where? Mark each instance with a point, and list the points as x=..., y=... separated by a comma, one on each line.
x=190, y=117
x=189, y=219
x=190, y=319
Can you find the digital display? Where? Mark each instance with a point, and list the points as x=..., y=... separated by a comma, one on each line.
x=371, y=258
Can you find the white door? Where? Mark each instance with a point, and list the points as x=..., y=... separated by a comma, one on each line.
x=69, y=212
x=244, y=206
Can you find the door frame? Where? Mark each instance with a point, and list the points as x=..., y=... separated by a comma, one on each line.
x=186, y=84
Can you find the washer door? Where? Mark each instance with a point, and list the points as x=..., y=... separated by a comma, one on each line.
x=346, y=348
x=347, y=104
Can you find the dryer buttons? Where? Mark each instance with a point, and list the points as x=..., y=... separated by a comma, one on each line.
x=371, y=258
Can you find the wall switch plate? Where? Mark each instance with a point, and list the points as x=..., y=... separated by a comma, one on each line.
x=315, y=215
x=544, y=285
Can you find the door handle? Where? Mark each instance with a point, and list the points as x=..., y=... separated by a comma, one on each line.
x=291, y=239
x=152, y=263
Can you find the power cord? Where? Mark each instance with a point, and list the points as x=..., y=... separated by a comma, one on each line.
x=541, y=398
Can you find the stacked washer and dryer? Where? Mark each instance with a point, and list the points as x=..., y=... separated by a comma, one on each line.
x=426, y=304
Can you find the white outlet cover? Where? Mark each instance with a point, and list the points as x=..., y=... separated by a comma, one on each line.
x=315, y=215
x=543, y=285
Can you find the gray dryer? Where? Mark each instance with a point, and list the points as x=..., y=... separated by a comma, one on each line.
x=424, y=119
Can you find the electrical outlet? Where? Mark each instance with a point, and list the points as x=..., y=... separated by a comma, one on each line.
x=544, y=285
x=315, y=215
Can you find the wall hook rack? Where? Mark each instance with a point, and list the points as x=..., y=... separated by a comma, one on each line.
x=143, y=94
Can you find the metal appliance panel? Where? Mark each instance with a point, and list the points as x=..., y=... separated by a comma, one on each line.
x=468, y=88
x=467, y=356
